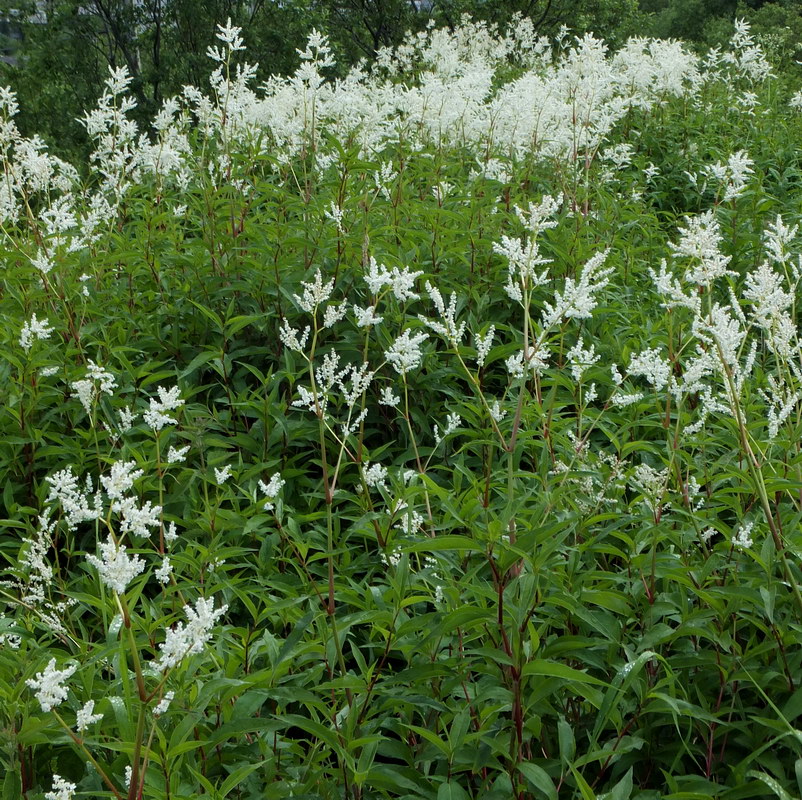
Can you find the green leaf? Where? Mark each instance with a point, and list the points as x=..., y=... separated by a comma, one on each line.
x=237, y=777
x=451, y=790
x=539, y=779
x=553, y=669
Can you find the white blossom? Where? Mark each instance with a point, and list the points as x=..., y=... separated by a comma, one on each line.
x=580, y=359
x=156, y=417
x=186, y=639
x=271, y=490
x=622, y=400
x=402, y=282
x=222, y=475
x=650, y=364
x=387, y=398
x=700, y=241
x=116, y=569
x=127, y=418
x=375, y=475
x=32, y=330
x=85, y=716
x=366, y=316
x=163, y=704
x=453, y=422
x=483, y=345
x=49, y=685
x=742, y=538
x=164, y=571
x=315, y=293
x=137, y=519
x=290, y=337
x=62, y=789
x=405, y=354
x=122, y=477
x=177, y=455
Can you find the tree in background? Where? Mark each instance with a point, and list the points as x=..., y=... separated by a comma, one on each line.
x=67, y=46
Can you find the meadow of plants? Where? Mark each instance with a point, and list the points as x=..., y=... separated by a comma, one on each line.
x=431, y=432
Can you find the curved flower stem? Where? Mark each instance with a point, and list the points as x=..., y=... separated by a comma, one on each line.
x=89, y=757
x=760, y=484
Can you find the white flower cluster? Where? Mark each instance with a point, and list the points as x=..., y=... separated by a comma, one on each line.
x=74, y=502
x=400, y=282
x=186, y=639
x=156, y=417
x=578, y=298
x=375, y=475
x=700, y=241
x=163, y=704
x=580, y=359
x=116, y=569
x=49, y=686
x=97, y=380
x=62, y=789
x=742, y=537
x=652, y=366
x=271, y=489
x=122, y=477
x=448, y=328
x=406, y=355
x=732, y=176
x=453, y=421
x=222, y=475
x=651, y=484
x=86, y=716
x=32, y=330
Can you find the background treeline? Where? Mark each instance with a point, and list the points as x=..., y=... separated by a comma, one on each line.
x=56, y=53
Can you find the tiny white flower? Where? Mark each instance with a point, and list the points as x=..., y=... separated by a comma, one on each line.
x=315, y=293
x=375, y=475
x=170, y=535
x=49, y=685
x=497, y=412
x=333, y=314
x=127, y=418
x=366, y=316
x=123, y=475
x=186, y=639
x=405, y=353
x=708, y=534
x=62, y=789
x=271, y=490
x=177, y=455
x=623, y=400
x=742, y=538
x=222, y=475
x=163, y=704
x=483, y=345
x=387, y=398
x=116, y=569
x=163, y=572
x=85, y=717
x=33, y=330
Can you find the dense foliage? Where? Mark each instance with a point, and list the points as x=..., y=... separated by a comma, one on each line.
x=431, y=432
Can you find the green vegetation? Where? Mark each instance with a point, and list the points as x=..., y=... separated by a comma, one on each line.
x=432, y=431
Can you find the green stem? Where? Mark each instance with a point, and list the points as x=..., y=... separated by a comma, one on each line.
x=80, y=743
